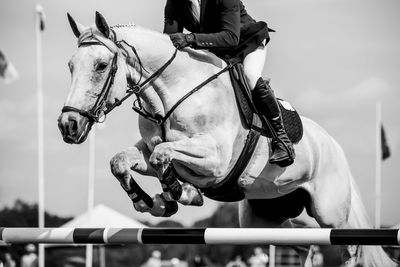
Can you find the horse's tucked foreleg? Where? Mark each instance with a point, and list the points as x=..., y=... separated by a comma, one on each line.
x=198, y=154
x=185, y=193
x=173, y=190
x=135, y=159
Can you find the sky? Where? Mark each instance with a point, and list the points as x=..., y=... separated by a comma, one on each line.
x=332, y=59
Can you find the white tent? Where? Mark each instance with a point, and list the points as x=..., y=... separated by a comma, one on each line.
x=103, y=216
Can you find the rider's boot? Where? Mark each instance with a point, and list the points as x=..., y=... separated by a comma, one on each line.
x=282, y=148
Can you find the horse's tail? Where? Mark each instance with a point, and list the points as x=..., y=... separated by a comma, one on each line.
x=371, y=256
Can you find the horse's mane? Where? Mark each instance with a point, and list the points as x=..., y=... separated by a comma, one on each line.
x=199, y=55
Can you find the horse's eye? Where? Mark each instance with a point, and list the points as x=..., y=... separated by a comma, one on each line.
x=101, y=66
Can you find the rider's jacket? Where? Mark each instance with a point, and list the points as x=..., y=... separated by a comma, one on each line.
x=225, y=27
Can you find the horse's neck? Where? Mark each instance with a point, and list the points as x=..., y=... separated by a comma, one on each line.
x=153, y=48
x=188, y=69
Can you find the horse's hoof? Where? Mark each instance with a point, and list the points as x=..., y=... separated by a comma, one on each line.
x=191, y=195
x=197, y=197
x=163, y=207
x=140, y=206
x=171, y=207
x=198, y=200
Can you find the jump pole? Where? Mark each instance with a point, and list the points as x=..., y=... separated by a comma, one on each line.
x=209, y=236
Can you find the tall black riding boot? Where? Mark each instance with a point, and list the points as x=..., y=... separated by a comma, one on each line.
x=282, y=148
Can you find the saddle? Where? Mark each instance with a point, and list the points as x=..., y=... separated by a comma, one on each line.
x=228, y=190
x=291, y=119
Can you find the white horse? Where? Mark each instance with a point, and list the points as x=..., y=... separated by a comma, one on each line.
x=202, y=135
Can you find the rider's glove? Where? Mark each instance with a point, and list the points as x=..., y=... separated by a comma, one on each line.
x=181, y=40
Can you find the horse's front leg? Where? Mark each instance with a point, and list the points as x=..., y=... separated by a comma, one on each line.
x=135, y=159
x=198, y=154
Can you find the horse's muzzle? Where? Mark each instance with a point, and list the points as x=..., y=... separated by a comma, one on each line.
x=74, y=127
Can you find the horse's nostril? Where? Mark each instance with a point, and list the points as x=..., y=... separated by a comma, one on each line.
x=74, y=125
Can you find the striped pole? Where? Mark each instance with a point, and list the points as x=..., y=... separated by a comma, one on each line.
x=210, y=236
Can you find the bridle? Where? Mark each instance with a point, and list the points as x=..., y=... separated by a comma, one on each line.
x=96, y=112
x=99, y=111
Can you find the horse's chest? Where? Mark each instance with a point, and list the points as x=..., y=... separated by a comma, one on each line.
x=154, y=134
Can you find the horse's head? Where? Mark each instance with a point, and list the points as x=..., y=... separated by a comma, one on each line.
x=94, y=67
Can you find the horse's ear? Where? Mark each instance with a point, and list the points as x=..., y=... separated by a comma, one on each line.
x=77, y=28
x=102, y=25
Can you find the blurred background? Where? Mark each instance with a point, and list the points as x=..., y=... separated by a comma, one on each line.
x=334, y=60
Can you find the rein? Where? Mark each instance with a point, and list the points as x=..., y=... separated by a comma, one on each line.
x=98, y=112
x=194, y=90
x=137, y=88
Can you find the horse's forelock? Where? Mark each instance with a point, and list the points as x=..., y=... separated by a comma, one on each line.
x=92, y=34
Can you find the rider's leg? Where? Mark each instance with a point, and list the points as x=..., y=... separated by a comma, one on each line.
x=253, y=65
x=266, y=103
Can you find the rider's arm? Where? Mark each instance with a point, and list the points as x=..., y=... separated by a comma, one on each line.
x=229, y=33
x=171, y=18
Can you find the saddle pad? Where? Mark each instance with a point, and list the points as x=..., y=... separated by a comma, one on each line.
x=291, y=119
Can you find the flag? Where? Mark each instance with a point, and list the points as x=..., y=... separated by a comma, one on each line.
x=385, y=146
x=41, y=16
x=7, y=71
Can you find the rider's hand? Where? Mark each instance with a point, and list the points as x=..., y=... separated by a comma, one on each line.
x=181, y=40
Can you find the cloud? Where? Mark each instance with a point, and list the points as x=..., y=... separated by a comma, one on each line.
x=328, y=103
x=348, y=114
x=371, y=89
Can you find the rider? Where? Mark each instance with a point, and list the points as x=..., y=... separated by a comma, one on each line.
x=225, y=28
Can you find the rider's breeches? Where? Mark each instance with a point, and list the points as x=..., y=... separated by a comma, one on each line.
x=254, y=64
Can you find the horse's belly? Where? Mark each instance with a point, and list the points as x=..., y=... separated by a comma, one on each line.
x=261, y=189
x=269, y=187
x=262, y=180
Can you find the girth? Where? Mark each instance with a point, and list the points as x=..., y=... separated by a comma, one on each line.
x=229, y=190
